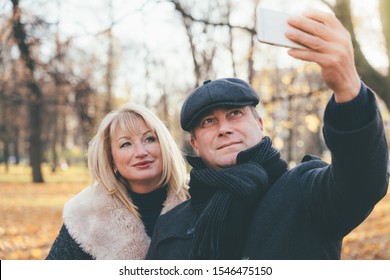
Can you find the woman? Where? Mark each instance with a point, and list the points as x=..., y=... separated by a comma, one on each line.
x=139, y=173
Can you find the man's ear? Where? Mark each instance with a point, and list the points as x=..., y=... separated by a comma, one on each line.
x=194, y=144
x=261, y=123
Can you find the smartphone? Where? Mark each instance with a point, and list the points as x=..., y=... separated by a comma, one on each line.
x=271, y=26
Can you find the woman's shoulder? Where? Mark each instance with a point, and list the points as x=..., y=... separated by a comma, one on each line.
x=93, y=196
x=66, y=248
x=87, y=210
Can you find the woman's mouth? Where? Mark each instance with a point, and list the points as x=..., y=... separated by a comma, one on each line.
x=143, y=164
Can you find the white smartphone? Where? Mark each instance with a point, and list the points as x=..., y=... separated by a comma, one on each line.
x=271, y=26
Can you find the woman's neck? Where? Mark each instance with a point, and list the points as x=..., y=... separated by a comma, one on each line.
x=143, y=187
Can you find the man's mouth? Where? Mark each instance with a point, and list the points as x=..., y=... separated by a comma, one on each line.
x=227, y=145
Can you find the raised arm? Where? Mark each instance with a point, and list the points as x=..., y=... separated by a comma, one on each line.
x=343, y=194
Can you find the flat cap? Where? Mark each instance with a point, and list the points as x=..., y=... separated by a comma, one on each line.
x=229, y=92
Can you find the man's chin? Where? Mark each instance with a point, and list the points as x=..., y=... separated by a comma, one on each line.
x=229, y=161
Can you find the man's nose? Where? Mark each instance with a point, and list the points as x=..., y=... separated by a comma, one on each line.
x=224, y=128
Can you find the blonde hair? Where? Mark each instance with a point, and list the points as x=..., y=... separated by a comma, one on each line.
x=100, y=160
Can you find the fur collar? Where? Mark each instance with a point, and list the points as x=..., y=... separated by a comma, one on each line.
x=105, y=228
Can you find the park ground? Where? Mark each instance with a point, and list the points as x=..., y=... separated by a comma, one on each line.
x=30, y=216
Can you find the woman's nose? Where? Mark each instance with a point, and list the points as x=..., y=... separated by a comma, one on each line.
x=140, y=151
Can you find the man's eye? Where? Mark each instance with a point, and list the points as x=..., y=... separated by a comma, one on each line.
x=207, y=122
x=236, y=113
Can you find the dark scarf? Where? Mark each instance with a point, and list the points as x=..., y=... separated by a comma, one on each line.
x=225, y=197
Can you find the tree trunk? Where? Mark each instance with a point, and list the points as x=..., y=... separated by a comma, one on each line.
x=35, y=149
x=375, y=80
x=4, y=130
x=16, y=145
x=110, y=60
x=35, y=95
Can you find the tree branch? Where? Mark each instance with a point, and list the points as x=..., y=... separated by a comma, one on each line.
x=182, y=11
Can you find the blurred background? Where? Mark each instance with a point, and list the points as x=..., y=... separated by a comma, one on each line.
x=64, y=64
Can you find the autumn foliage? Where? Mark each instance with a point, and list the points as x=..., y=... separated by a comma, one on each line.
x=30, y=216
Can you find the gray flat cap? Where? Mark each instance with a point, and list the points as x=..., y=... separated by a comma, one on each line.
x=229, y=92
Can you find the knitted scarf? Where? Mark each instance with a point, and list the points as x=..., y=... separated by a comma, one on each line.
x=223, y=198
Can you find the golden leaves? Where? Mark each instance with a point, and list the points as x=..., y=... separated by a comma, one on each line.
x=371, y=240
x=31, y=217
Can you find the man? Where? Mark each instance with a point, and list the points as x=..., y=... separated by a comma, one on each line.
x=245, y=204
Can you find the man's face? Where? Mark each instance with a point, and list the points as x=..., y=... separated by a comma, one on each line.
x=223, y=133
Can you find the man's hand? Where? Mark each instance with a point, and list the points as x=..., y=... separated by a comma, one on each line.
x=330, y=46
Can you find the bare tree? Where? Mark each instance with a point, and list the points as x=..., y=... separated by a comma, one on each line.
x=379, y=82
x=110, y=59
x=86, y=108
x=35, y=94
x=214, y=20
x=57, y=94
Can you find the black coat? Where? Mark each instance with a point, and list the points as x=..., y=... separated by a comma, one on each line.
x=312, y=207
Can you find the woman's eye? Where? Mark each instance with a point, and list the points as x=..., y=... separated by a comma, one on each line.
x=125, y=144
x=150, y=139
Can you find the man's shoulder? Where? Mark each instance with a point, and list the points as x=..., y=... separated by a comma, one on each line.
x=308, y=163
x=183, y=208
x=178, y=222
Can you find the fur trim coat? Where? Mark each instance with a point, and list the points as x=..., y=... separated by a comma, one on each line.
x=104, y=227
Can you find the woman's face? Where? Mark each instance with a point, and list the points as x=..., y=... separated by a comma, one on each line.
x=138, y=157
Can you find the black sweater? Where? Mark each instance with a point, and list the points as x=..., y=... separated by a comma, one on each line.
x=149, y=206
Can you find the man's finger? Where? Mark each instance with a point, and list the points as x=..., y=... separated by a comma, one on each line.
x=322, y=17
